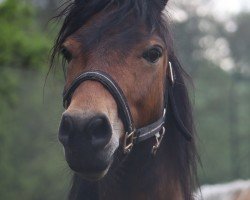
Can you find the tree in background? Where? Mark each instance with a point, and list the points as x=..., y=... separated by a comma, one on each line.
x=22, y=42
x=216, y=53
x=23, y=45
x=30, y=164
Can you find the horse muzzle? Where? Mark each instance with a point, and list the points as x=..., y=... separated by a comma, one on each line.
x=87, y=143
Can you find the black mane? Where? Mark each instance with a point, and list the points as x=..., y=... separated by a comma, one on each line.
x=147, y=14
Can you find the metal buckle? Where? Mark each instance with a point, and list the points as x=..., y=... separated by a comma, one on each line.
x=128, y=142
x=158, y=136
x=171, y=72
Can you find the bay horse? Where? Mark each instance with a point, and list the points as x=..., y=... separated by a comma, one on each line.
x=127, y=129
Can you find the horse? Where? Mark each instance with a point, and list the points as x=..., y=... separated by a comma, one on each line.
x=127, y=129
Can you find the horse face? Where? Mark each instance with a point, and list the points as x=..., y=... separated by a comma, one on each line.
x=91, y=130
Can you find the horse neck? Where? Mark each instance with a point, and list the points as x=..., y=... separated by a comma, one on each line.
x=140, y=177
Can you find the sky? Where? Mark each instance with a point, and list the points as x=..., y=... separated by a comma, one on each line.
x=222, y=10
x=231, y=6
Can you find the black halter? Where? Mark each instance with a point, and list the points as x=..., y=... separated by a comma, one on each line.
x=132, y=134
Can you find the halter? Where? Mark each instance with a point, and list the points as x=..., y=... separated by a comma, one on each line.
x=133, y=135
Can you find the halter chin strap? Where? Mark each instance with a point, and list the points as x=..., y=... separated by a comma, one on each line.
x=132, y=134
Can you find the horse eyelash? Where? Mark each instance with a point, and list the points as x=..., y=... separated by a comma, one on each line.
x=66, y=54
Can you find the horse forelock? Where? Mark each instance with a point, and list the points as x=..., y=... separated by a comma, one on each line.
x=116, y=15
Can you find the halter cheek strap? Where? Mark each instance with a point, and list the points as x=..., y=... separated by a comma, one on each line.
x=132, y=135
x=183, y=130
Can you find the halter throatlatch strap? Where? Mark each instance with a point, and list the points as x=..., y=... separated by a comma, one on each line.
x=183, y=130
x=132, y=135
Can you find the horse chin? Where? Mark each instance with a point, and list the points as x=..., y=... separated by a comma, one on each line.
x=88, y=163
x=93, y=176
x=92, y=168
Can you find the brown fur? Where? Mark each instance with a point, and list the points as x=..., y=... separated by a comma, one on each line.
x=170, y=175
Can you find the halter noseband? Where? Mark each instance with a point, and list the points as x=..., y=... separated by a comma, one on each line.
x=132, y=134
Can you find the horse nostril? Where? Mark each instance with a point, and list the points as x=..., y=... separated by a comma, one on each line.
x=79, y=131
x=65, y=129
x=99, y=130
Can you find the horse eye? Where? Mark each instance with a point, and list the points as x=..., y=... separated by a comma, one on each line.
x=66, y=54
x=153, y=55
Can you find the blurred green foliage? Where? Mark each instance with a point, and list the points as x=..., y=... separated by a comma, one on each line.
x=22, y=42
x=221, y=97
x=223, y=141
x=32, y=166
